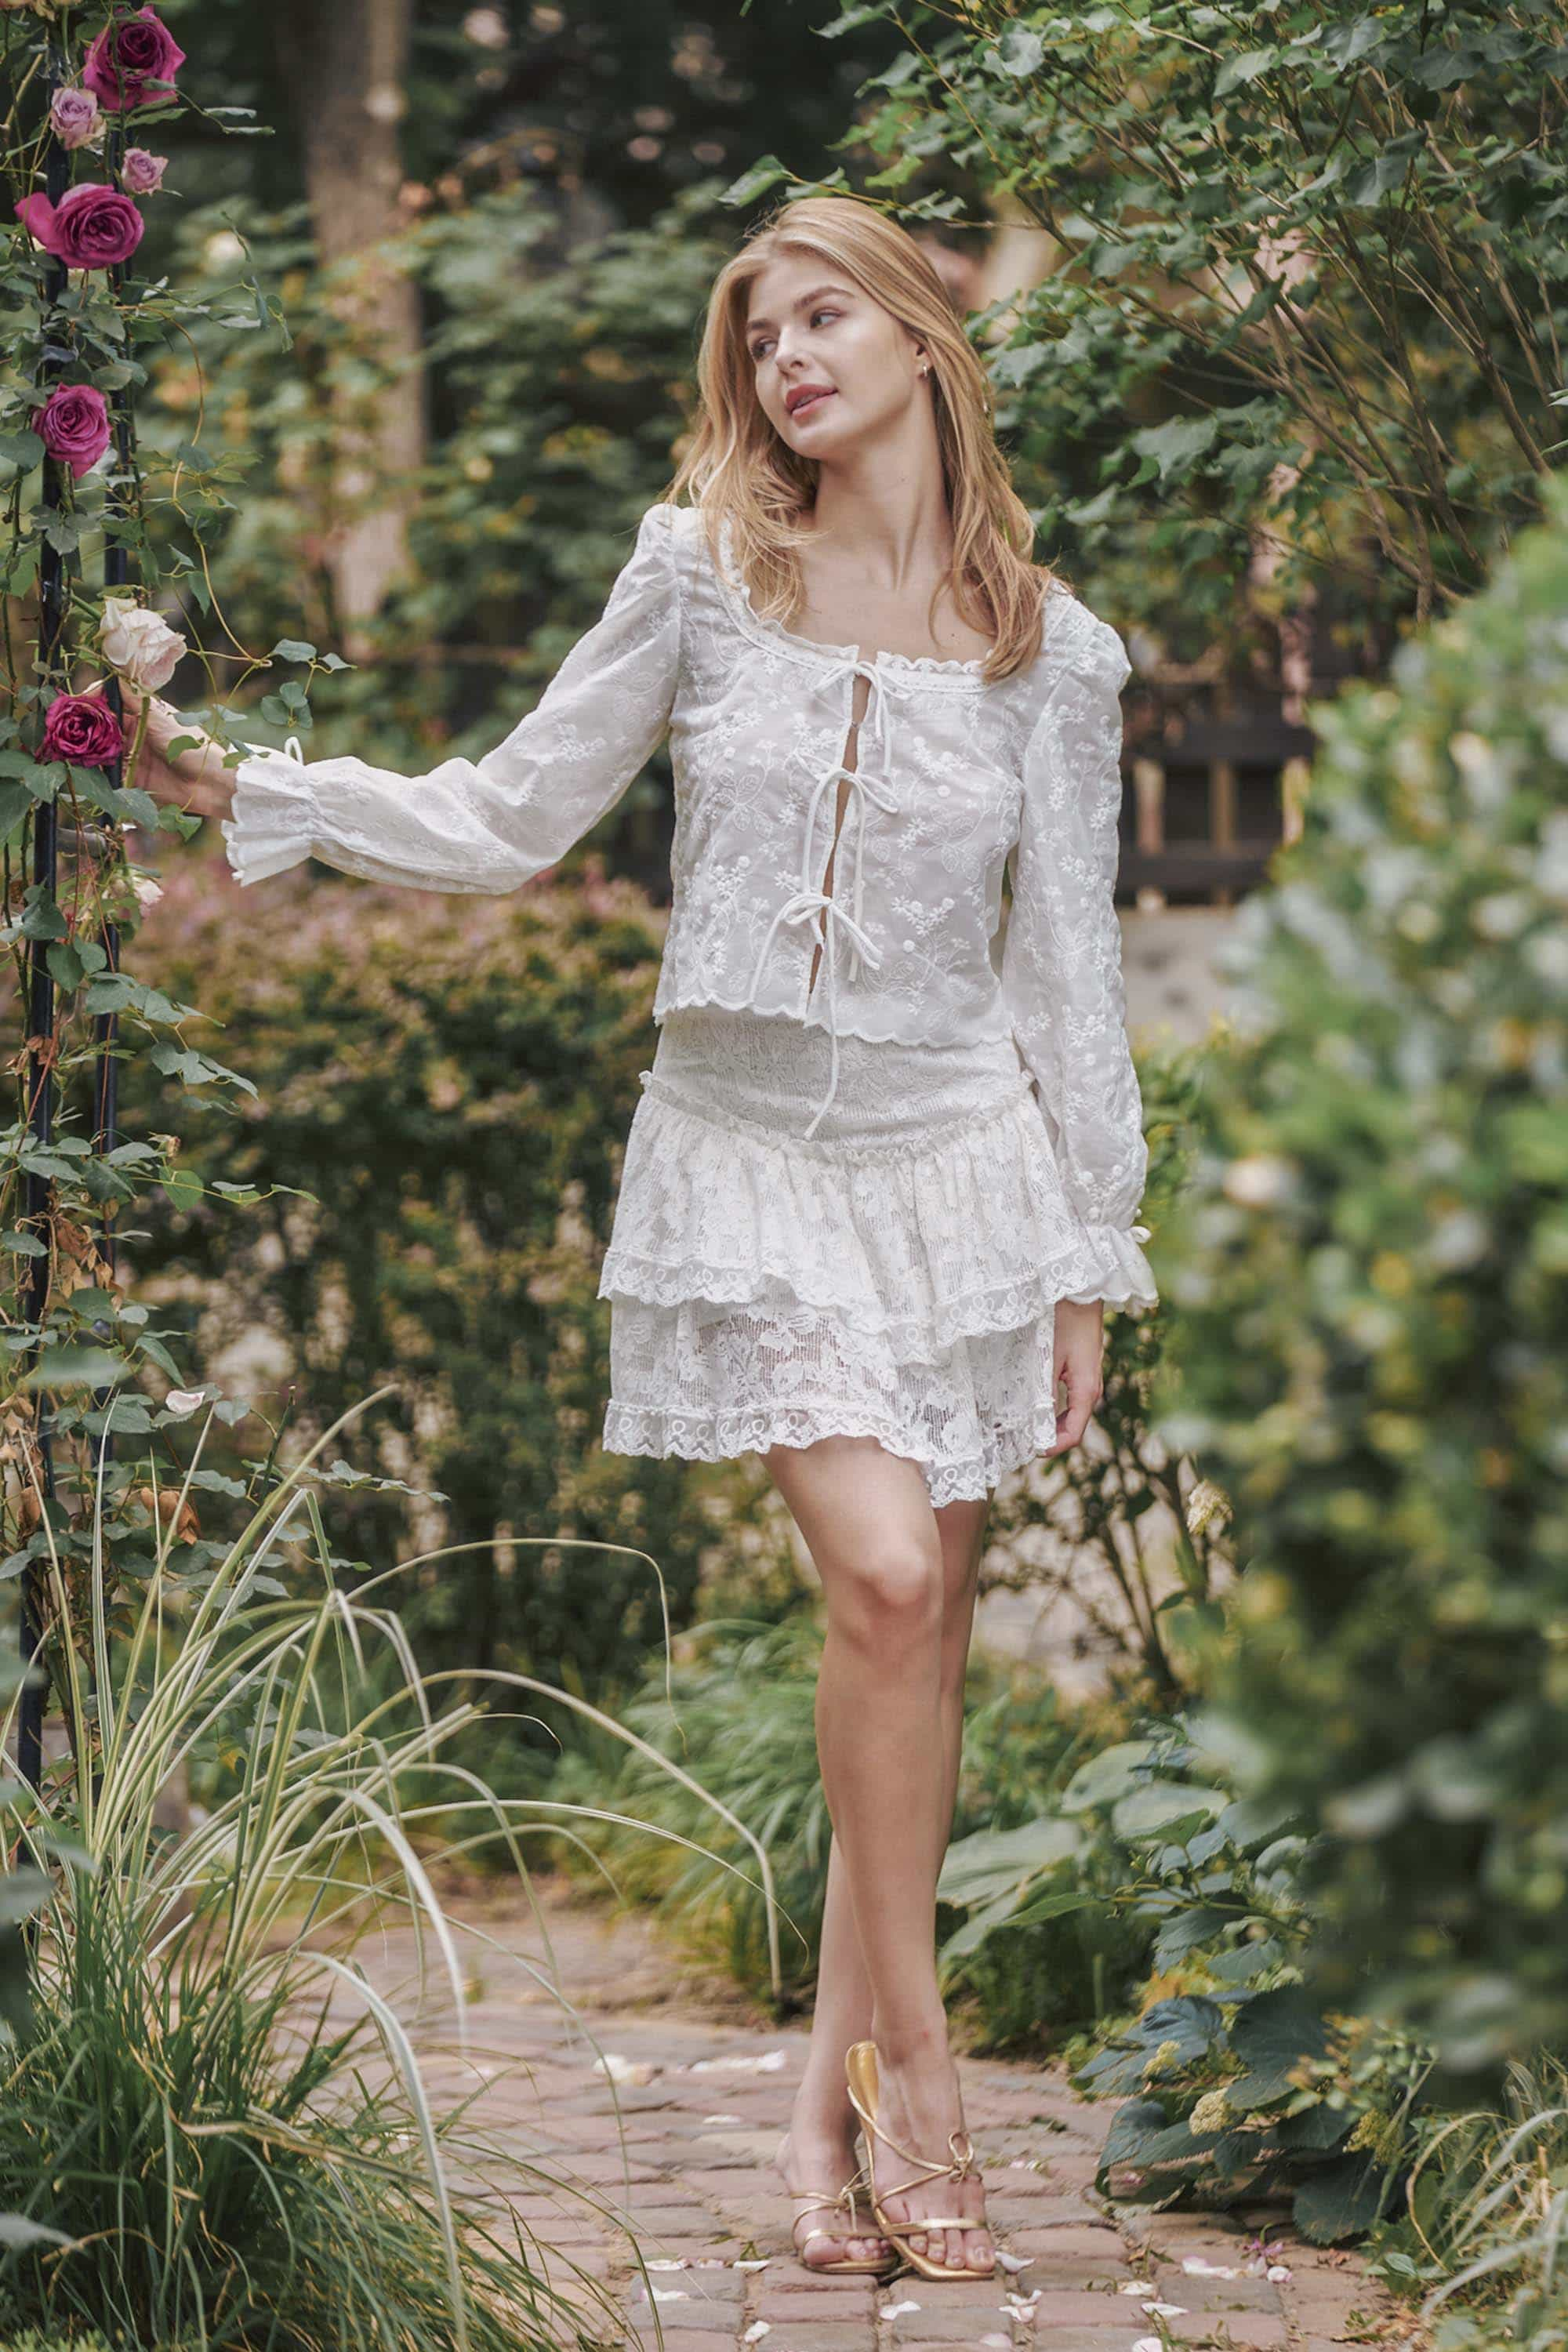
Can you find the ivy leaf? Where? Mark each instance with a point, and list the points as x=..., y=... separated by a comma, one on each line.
x=292, y=649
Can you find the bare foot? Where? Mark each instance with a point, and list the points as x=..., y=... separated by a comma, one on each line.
x=917, y=2103
x=824, y=2164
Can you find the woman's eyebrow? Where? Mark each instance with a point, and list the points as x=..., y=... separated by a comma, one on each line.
x=799, y=304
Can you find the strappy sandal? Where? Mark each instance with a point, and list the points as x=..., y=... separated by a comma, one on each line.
x=860, y=2065
x=847, y=2265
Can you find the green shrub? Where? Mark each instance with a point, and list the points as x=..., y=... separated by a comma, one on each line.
x=1096, y=1499
x=1370, y=1267
x=453, y=1081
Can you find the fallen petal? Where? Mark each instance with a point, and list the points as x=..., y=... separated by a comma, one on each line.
x=757, y=2330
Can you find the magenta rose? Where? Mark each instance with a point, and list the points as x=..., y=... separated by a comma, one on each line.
x=91, y=227
x=129, y=54
x=82, y=728
x=76, y=116
x=142, y=174
x=74, y=423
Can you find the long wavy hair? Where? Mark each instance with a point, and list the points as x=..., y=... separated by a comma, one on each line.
x=738, y=471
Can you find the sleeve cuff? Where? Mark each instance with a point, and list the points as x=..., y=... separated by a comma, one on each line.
x=274, y=814
x=1115, y=1268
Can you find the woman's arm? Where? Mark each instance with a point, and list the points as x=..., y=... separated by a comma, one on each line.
x=485, y=825
x=1061, y=968
x=492, y=824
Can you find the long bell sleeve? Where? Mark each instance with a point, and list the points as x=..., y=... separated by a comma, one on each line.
x=1061, y=968
x=491, y=824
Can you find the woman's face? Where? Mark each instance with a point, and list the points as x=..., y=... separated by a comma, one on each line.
x=831, y=367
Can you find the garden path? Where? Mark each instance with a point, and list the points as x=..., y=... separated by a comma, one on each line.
x=703, y=2079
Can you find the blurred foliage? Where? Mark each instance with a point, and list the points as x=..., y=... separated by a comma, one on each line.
x=456, y=1102
x=738, y=1716
x=1087, y=1528
x=1306, y=285
x=1370, y=1267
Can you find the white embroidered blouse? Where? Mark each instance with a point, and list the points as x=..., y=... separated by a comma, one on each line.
x=961, y=776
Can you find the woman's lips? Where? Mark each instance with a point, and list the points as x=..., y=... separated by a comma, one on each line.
x=814, y=401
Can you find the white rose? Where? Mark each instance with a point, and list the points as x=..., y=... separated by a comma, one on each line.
x=139, y=644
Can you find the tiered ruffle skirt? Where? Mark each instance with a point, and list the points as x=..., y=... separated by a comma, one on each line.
x=892, y=1276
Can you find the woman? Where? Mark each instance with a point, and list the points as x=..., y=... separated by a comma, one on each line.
x=881, y=1181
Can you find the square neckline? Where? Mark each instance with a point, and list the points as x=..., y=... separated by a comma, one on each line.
x=737, y=592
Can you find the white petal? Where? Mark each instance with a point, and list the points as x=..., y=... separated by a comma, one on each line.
x=756, y=2333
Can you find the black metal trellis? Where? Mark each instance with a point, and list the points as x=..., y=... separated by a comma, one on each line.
x=53, y=657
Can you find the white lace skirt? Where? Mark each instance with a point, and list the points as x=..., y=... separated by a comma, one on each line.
x=893, y=1277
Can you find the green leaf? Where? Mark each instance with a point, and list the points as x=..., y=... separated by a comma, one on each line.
x=292, y=649
x=65, y=964
x=1176, y=446
x=1021, y=51
x=1341, y=2201
x=990, y=1862
x=75, y=1368
x=1236, y=71
x=762, y=175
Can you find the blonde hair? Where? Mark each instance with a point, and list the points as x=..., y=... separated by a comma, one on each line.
x=739, y=470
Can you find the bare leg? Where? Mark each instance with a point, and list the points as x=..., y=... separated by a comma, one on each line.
x=898, y=1581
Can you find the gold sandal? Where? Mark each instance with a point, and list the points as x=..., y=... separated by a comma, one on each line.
x=809, y=2199
x=860, y=2065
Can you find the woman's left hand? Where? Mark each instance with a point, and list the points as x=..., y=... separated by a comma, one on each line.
x=1079, y=1348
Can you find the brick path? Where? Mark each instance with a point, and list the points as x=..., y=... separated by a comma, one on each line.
x=703, y=2080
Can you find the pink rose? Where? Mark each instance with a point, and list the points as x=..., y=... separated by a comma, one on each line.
x=128, y=55
x=81, y=729
x=74, y=423
x=76, y=116
x=91, y=227
x=142, y=174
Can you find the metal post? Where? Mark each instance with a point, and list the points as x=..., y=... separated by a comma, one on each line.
x=41, y=983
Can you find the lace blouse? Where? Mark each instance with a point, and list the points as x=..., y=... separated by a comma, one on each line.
x=954, y=777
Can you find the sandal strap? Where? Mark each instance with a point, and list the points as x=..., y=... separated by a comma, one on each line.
x=960, y=2167
x=831, y=2199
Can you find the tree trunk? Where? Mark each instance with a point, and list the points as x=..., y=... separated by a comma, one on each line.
x=347, y=63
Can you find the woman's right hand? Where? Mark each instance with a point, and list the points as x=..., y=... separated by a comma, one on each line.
x=195, y=779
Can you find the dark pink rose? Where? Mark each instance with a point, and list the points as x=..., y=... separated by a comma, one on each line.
x=128, y=55
x=74, y=423
x=82, y=728
x=91, y=227
x=142, y=174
